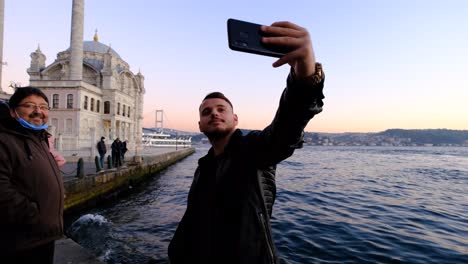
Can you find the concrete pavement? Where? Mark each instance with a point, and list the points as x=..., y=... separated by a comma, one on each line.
x=69, y=252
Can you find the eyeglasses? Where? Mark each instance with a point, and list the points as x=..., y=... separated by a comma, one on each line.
x=31, y=106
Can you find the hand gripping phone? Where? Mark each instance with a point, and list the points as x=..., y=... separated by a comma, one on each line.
x=246, y=37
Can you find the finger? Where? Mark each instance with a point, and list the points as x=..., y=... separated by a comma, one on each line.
x=288, y=42
x=286, y=24
x=278, y=63
x=289, y=57
x=280, y=31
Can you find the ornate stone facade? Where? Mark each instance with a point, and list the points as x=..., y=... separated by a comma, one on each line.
x=107, y=101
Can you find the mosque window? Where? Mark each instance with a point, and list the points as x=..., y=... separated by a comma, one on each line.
x=128, y=113
x=69, y=101
x=92, y=104
x=69, y=126
x=98, y=106
x=55, y=101
x=118, y=108
x=55, y=123
x=106, y=107
x=85, y=105
x=123, y=110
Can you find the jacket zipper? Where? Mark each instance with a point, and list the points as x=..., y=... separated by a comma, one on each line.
x=267, y=237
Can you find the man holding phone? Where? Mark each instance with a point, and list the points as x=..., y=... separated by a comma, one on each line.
x=231, y=198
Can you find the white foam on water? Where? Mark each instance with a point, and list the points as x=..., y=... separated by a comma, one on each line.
x=87, y=218
x=106, y=255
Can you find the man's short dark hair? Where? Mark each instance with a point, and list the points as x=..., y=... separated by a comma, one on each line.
x=218, y=95
x=103, y=138
x=23, y=92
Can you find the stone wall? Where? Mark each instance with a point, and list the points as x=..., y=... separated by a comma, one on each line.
x=85, y=193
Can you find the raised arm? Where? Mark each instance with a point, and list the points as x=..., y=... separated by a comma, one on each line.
x=300, y=101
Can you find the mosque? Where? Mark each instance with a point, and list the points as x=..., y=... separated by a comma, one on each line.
x=92, y=93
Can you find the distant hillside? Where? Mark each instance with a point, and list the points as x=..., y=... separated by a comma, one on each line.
x=432, y=136
x=391, y=136
x=395, y=137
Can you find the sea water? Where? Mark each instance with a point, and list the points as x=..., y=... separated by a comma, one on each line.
x=334, y=205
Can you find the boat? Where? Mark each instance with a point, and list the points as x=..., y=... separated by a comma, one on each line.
x=157, y=138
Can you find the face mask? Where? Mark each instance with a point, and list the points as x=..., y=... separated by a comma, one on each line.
x=27, y=125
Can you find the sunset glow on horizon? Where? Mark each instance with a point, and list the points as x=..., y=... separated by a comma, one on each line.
x=395, y=64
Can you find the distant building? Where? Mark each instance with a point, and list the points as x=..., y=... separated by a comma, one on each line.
x=91, y=90
x=4, y=96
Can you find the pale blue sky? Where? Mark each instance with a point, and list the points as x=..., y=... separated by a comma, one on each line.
x=389, y=64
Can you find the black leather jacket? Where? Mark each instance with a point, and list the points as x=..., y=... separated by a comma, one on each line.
x=231, y=198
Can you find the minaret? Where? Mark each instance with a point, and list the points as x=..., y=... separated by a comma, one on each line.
x=76, y=41
x=2, y=17
x=38, y=60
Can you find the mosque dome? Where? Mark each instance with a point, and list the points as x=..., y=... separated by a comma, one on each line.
x=97, y=47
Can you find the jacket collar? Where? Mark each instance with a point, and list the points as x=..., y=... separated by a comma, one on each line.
x=232, y=144
x=233, y=141
x=10, y=125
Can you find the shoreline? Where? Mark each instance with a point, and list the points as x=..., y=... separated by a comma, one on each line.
x=97, y=188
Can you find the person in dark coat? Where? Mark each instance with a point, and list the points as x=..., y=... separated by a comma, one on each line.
x=231, y=198
x=102, y=149
x=117, y=152
x=124, y=149
x=31, y=187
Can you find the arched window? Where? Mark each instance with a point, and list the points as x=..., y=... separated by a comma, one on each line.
x=128, y=113
x=69, y=101
x=98, y=106
x=85, y=105
x=123, y=110
x=106, y=107
x=118, y=108
x=92, y=104
x=55, y=101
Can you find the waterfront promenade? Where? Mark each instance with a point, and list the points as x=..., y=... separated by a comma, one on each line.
x=70, y=167
x=66, y=250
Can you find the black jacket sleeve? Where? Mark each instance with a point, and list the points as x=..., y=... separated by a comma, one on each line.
x=300, y=101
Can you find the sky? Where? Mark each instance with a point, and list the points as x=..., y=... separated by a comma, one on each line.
x=388, y=64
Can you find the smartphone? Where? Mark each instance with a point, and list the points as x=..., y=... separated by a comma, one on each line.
x=246, y=37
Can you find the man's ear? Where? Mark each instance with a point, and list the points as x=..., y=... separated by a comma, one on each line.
x=12, y=113
x=236, y=119
x=199, y=128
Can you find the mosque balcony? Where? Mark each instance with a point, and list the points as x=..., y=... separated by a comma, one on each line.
x=55, y=83
x=64, y=84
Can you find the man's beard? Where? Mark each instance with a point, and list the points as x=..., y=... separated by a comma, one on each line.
x=218, y=134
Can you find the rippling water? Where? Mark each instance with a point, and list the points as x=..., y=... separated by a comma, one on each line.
x=334, y=205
